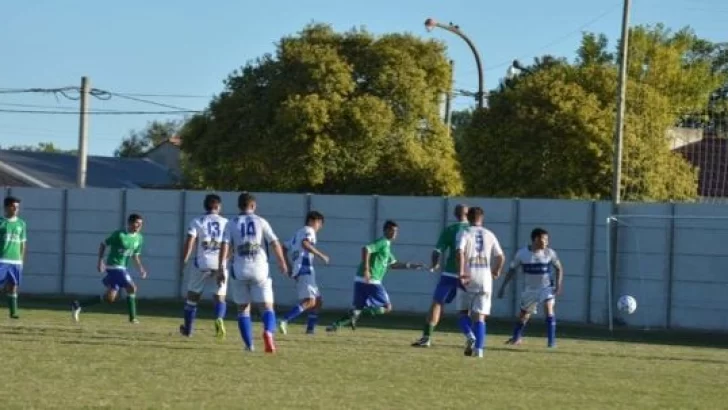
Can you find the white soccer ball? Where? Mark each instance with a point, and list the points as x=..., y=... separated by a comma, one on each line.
x=627, y=304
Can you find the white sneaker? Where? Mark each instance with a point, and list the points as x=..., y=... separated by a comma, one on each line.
x=75, y=312
x=283, y=327
x=478, y=353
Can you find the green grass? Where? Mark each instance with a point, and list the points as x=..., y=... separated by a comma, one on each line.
x=104, y=362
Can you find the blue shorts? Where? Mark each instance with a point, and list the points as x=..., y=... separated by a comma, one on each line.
x=446, y=290
x=10, y=274
x=369, y=295
x=117, y=278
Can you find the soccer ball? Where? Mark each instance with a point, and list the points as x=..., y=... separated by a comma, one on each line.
x=627, y=304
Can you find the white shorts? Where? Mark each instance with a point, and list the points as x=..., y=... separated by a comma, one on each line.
x=199, y=279
x=478, y=303
x=306, y=287
x=531, y=298
x=247, y=291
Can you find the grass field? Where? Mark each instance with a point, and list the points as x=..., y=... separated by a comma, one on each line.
x=104, y=362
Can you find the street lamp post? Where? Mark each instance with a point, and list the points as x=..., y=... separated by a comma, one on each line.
x=430, y=24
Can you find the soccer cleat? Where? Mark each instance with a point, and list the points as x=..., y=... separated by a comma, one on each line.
x=424, y=341
x=220, y=331
x=249, y=349
x=134, y=321
x=478, y=353
x=469, y=344
x=16, y=316
x=332, y=328
x=270, y=346
x=283, y=327
x=75, y=311
x=513, y=342
x=310, y=331
x=551, y=345
x=183, y=331
x=352, y=322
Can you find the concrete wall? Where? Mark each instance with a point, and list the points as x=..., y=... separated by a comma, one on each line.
x=671, y=257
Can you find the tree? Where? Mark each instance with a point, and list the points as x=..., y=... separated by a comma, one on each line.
x=42, y=147
x=549, y=132
x=139, y=142
x=331, y=113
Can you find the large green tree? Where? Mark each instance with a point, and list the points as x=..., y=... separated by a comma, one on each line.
x=42, y=147
x=548, y=132
x=331, y=112
x=138, y=142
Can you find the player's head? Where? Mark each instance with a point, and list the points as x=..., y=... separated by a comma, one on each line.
x=134, y=223
x=390, y=229
x=539, y=238
x=12, y=206
x=212, y=204
x=315, y=220
x=246, y=202
x=475, y=216
x=461, y=212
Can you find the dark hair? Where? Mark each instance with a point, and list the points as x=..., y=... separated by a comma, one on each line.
x=210, y=201
x=133, y=218
x=9, y=200
x=474, y=214
x=538, y=232
x=314, y=216
x=460, y=210
x=390, y=224
x=245, y=199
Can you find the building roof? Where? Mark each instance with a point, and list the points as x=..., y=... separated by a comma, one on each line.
x=52, y=170
x=710, y=155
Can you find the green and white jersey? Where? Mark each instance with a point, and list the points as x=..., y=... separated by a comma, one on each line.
x=447, y=242
x=13, y=236
x=122, y=245
x=380, y=258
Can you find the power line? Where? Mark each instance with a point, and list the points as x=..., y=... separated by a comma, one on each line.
x=98, y=112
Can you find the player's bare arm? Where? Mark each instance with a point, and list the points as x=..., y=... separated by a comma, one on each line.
x=310, y=248
x=407, y=265
x=22, y=251
x=287, y=255
x=278, y=251
x=498, y=265
x=140, y=266
x=509, y=275
x=100, y=265
x=187, y=249
x=224, y=249
x=462, y=274
x=559, y=271
x=365, y=262
x=435, y=260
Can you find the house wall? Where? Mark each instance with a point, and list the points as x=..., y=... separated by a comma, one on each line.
x=168, y=155
x=671, y=257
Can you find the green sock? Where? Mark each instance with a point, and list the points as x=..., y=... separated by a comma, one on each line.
x=131, y=305
x=13, y=304
x=428, y=329
x=373, y=311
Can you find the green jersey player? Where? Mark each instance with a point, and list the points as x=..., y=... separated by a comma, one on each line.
x=123, y=245
x=12, y=252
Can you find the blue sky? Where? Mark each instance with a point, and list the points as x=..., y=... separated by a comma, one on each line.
x=165, y=47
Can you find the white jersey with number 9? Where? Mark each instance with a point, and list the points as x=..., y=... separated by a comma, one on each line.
x=248, y=236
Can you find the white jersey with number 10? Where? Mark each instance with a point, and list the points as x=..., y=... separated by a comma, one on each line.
x=248, y=236
x=208, y=230
x=478, y=245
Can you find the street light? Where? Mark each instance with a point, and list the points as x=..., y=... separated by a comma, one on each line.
x=430, y=24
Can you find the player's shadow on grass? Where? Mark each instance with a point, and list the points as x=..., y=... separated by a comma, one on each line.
x=404, y=321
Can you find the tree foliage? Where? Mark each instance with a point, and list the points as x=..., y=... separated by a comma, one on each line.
x=137, y=143
x=549, y=132
x=331, y=113
x=42, y=147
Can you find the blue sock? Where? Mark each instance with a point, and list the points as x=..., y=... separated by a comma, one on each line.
x=311, y=324
x=190, y=312
x=465, y=325
x=269, y=321
x=294, y=313
x=518, y=330
x=480, y=334
x=220, y=309
x=246, y=329
x=551, y=330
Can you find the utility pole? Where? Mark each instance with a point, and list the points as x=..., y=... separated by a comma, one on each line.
x=83, y=134
x=617, y=160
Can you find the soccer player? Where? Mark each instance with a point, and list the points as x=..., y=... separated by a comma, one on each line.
x=370, y=296
x=447, y=286
x=538, y=262
x=247, y=236
x=304, y=250
x=476, y=248
x=206, y=231
x=123, y=244
x=13, y=234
